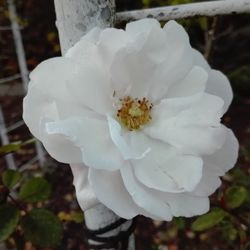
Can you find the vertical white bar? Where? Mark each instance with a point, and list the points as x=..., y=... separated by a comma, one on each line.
x=22, y=65
x=5, y=140
x=76, y=17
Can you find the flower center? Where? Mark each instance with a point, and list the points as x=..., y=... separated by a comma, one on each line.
x=134, y=112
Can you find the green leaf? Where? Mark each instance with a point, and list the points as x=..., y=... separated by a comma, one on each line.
x=240, y=78
x=179, y=222
x=248, y=197
x=15, y=146
x=9, y=216
x=240, y=177
x=235, y=196
x=229, y=232
x=203, y=23
x=208, y=220
x=146, y=3
x=42, y=228
x=232, y=234
x=12, y=147
x=77, y=217
x=10, y=178
x=34, y=190
x=176, y=2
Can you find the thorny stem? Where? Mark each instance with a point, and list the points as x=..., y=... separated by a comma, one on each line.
x=235, y=216
x=210, y=37
x=16, y=202
x=239, y=219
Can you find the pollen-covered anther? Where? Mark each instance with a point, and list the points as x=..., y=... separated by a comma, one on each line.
x=134, y=113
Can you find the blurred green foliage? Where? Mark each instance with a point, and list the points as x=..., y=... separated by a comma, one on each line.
x=34, y=190
x=10, y=178
x=9, y=216
x=235, y=196
x=209, y=220
x=21, y=196
x=42, y=228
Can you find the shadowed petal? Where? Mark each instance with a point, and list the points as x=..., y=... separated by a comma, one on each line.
x=91, y=135
x=143, y=197
x=109, y=189
x=166, y=169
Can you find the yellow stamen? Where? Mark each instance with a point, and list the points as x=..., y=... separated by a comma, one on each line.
x=134, y=113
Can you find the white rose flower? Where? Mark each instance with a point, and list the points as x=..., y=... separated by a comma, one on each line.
x=137, y=115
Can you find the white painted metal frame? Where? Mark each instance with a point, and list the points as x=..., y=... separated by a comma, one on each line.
x=5, y=140
x=22, y=65
x=209, y=8
x=15, y=28
x=10, y=78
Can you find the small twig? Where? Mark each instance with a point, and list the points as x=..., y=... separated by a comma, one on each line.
x=235, y=216
x=17, y=203
x=240, y=219
x=210, y=37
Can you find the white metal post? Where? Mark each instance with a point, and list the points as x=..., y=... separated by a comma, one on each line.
x=5, y=140
x=209, y=8
x=76, y=17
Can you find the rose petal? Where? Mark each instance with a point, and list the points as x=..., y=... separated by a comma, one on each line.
x=225, y=158
x=109, y=189
x=91, y=135
x=37, y=107
x=91, y=88
x=219, y=85
x=84, y=192
x=144, y=197
x=87, y=48
x=61, y=148
x=178, y=62
x=165, y=169
x=218, y=164
x=193, y=83
x=194, y=130
x=65, y=80
x=125, y=79
x=208, y=184
x=144, y=52
x=186, y=205
x=51, y=77
x=111, y=41
x=123, y=145
x=143, y=25
x=199, y=60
